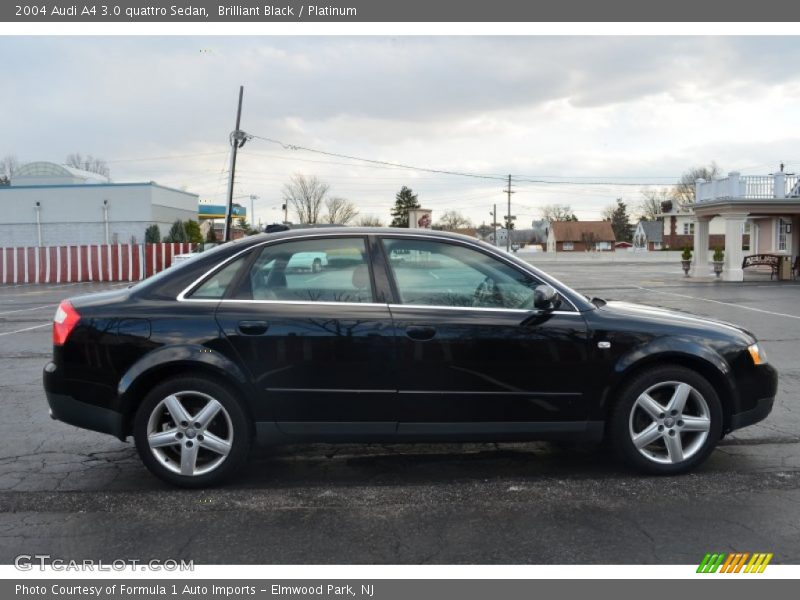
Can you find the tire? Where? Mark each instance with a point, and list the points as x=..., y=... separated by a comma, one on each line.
x=316, y=266
x=175, y=449
x=649, y=437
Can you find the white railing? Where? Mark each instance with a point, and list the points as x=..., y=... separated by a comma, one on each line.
x=749, y=187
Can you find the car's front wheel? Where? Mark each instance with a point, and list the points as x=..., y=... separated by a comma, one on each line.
x=191, y=432
x=667, y=420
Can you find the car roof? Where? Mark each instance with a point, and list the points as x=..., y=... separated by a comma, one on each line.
x=341, y=230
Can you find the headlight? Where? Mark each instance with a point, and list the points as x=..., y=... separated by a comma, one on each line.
x=757, y=354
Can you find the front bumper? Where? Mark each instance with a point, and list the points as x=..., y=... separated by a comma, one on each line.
x=757, y=389
x=64, y=407
x=758, y=413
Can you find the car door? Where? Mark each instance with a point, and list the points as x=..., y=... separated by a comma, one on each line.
x=313, y=334
x=471, y=349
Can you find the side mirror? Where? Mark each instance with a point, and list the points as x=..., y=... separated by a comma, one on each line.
x=545, y=297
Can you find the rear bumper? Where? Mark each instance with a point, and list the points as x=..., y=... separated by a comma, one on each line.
x=64, y=407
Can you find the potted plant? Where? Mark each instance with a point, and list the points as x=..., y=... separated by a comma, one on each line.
x=686, y=260
x=719, y=260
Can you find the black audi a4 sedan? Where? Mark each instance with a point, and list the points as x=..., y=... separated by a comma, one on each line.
x=350, y=334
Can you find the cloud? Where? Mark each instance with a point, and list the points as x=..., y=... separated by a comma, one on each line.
x=569, y=106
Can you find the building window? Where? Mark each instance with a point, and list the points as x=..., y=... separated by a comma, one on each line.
x=747, y=230
x=603, y=245
x=567, y=246
x=688, y=228
x=782, y=226
x=656, y=245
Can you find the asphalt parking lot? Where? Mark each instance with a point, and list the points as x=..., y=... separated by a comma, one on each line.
x=75, y=494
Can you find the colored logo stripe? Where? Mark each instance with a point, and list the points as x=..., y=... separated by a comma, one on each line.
x=735, y=562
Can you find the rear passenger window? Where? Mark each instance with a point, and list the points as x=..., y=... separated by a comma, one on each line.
x=313, y=270
x=214, y=287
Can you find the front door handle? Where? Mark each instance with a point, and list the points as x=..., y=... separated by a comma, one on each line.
x=253, y=327
x=420, y=333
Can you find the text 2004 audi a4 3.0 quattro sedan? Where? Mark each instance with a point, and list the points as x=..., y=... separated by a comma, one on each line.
x=398, y=335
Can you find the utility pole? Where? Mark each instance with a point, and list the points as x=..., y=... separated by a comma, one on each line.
x=509, y=216
x=494, y=223
x=237, y=140
x=252, y=218
x=285, y=208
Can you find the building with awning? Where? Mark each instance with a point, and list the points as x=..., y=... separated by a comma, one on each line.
x=217, y=211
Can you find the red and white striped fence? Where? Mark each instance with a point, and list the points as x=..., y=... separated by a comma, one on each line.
x=106, y=262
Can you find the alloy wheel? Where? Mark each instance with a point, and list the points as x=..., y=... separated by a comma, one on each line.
x=669, y=422
x=190, y=433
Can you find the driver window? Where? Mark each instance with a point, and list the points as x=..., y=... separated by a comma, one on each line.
x=441, y=274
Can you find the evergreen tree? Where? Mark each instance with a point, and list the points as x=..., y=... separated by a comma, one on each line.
x=152, y=235
x=193, y=233
x=619, y=222
x=405, y=200
x=177, y=233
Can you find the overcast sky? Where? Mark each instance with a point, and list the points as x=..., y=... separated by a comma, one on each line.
x=621, y=109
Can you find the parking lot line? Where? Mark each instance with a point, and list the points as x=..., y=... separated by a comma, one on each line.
x=25, y=329
x=10, y=312
x=750, y=308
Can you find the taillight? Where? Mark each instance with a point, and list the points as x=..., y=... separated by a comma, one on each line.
x=64, y=322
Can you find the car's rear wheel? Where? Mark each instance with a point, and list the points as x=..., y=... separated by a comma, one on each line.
x=667, y=420
x=191, y=432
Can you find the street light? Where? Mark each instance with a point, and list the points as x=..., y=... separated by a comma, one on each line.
x=252, y=210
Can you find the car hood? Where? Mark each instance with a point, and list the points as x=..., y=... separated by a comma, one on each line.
x=672, y=320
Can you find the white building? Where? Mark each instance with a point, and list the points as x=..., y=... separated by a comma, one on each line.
x=53, y=205
x=767, y=207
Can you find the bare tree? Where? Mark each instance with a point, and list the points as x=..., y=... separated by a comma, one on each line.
x=8, y=164
x=340, y=211
x=558, y=212
x=685, y=189
x=608, y=212
x=452, y=220
x=369, y=221
x=650, y=206
x=305, y=195
x=589, y=239
x=88, y=163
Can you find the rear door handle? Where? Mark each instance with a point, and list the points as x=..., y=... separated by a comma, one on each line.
x=421, y=333
x=253, y=327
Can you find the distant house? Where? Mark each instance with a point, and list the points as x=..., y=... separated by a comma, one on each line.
x=577, y=236
x=649, y=235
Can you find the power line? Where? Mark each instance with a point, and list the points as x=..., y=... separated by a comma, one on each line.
x=378, y=162
x=526, y=179
x=168, y=157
